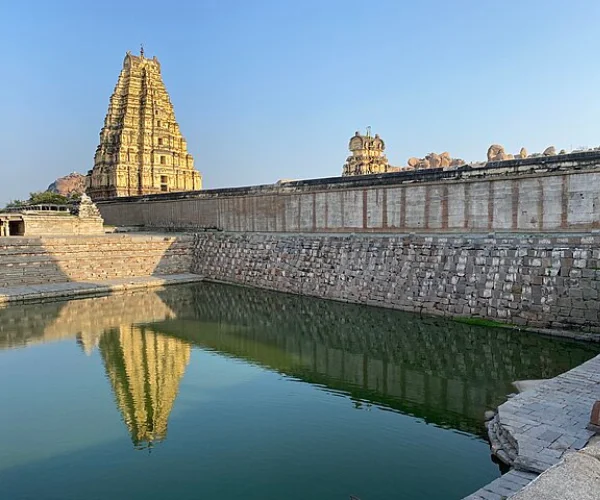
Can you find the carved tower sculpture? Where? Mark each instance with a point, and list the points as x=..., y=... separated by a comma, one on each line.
x=367, y=155
x=141, y=148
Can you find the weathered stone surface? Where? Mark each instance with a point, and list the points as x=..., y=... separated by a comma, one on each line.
x=68, y=185
x=577, y=477
x=435, y=160
x=413, y=162
x=494, y=152
x=141, y=148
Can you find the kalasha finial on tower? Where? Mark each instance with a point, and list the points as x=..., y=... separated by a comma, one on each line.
x=141, y=49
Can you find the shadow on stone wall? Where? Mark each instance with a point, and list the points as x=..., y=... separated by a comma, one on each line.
x=33, y=261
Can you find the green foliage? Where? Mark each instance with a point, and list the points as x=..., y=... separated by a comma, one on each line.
x=44, y=198
x=15, y=204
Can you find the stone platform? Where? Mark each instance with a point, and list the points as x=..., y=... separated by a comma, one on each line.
x=541, y=430
x=74, y=289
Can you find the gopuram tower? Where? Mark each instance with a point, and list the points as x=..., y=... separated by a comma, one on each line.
x=141, y=148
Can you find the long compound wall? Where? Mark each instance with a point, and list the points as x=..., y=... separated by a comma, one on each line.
x=558, y=193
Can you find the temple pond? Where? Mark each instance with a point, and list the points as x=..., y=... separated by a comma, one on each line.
x=212, y=391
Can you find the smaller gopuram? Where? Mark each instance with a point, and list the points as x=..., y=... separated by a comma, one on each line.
x=367, y=155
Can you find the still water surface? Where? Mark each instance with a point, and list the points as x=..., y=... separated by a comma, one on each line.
x=218, y=392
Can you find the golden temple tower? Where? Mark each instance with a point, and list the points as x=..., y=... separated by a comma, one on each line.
x=145, y=369
x=141, y=148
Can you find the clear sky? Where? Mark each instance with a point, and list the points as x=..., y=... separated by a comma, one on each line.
x=265, y=90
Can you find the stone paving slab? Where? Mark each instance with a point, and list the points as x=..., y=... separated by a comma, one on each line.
x=551, y=419
x=503, y=487
x=544, y=426
x=82, y=288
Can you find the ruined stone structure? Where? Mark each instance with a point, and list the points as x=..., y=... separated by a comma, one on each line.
x=367, y=156
x=53, y=220
x=141, y=148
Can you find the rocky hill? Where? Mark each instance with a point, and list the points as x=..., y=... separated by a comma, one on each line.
x=70, y=184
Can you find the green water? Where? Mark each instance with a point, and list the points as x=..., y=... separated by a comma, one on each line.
x=217, y=392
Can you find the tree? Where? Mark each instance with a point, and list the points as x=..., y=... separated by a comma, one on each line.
x=46, y=197
x=15, y=204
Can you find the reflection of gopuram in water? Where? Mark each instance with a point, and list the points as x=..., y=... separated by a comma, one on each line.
x=145, y=370
x=143, y=367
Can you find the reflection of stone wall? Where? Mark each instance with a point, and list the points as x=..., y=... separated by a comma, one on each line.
x=145, y=370
x=446, y=372
x=30, y=261
x=551, y=282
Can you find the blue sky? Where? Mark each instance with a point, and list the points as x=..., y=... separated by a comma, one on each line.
x=265, y=90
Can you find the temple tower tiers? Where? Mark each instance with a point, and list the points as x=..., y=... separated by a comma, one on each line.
x=367, y=156
x=141, y=148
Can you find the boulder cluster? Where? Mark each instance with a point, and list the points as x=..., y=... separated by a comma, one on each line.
x=72, y=184
x=496, y=152
x=434, y=160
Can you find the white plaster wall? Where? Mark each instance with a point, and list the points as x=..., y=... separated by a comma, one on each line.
x=503, y=203
x=353, y=208
x=415, y=207
x=394, y=206
x=375, y=208
x=456, y=206
x=529, y=202
x=436, y=193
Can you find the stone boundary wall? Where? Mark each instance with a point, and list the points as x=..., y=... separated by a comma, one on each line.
x=33, y=261
x=541, y=283
x=543, y=194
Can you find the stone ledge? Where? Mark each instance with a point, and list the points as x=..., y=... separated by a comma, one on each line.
x=66, y=290
x=541, y=430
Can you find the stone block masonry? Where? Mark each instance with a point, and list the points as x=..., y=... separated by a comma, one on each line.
x=534, y=282
x=35, y=261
